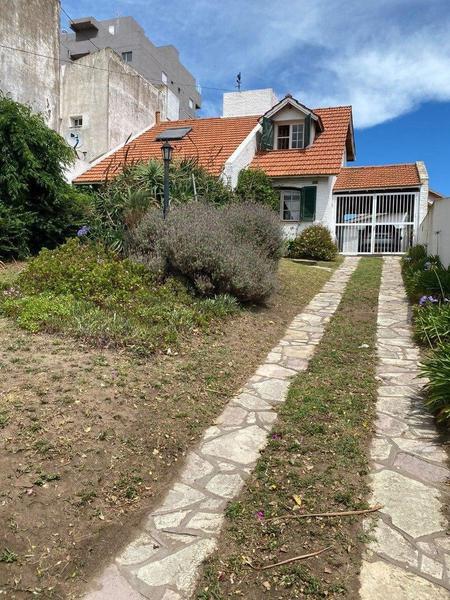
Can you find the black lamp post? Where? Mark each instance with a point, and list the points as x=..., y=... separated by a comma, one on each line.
x=166, y=150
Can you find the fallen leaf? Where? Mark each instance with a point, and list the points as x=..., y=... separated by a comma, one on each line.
x=297, y=499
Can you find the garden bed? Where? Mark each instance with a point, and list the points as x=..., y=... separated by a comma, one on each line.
x=91, y=438
x=316, y=462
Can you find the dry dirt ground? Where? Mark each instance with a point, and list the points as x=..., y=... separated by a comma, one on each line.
x=90, y=439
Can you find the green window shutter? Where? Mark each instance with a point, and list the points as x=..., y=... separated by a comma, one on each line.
x=307, y=130
x=267, y=134
x=308, y=205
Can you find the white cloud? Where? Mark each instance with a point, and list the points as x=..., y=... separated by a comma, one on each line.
x=385, y=57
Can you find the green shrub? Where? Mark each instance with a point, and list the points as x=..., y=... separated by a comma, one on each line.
x=437, y=369
x=86, y=272
x=121, y=203
x=255, y=186
x=198, y=245
x=37, y=206
x=254, y=223
x=230, y=250
x=90, y=293
x=434, y=281
x=424, y=275
x=314, y=242
x=432, y=323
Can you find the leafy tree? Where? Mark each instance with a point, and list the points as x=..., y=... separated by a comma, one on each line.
x=255, y=186
x=37, y=206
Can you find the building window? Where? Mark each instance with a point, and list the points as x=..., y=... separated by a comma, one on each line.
x=164, y=78
x=297, y=135
x=191, y=104
x=291, y=136
x=299, y=205
x=283, y=137
x=76, y=121
x=127, y=56
x=290, y=202
x=112, y=29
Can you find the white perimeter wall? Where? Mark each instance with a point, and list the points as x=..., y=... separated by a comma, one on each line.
x=434, y=231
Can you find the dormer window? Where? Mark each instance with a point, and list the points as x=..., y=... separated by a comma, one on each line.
x=290, y=136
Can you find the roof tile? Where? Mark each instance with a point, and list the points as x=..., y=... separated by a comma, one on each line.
x=211, y=142
x=385, y=176
x=323, y=157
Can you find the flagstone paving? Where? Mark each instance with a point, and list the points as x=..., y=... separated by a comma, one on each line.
x=163, y=562
x=409, y=557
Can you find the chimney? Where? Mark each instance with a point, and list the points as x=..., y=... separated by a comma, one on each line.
x=251, y=102
x=157, y=117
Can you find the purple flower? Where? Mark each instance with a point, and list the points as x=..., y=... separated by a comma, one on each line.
x=260, y=515
x=276, y=436
x=83, y=231
x=425, y=299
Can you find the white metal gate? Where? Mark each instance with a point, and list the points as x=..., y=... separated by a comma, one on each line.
x=375, y=223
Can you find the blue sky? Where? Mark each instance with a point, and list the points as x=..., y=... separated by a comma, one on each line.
x=389, y=59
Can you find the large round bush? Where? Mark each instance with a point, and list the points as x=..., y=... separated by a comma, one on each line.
x=231, y=250
x=314, y=242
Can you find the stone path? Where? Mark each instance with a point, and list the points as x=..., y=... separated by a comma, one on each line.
x=163, y=562
x=409, y=558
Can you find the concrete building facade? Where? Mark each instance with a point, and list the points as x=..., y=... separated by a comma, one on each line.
x=161, y=65
x=29, y=66
x=104, y=102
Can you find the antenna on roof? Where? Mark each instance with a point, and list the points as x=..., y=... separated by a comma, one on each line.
x=238, y=81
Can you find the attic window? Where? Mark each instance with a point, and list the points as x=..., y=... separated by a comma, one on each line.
x=283, y=137
x=127, y=56
x=291, y=136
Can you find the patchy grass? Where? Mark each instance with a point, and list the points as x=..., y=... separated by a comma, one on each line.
x=316, y=461
x=90, y=439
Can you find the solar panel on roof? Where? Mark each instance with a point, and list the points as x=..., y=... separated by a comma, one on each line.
x=176, y=133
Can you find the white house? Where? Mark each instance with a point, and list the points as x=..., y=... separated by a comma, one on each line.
x=370, y=210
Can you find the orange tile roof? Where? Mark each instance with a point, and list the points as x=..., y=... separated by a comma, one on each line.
x=323, y=157
x=211, y=141
x=385, y=176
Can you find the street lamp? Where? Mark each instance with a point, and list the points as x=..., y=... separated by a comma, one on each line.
x=166, y=150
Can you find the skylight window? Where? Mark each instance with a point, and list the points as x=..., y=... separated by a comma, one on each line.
x=174, y=133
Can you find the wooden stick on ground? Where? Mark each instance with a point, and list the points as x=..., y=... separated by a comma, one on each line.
x=289, y=560
x=346, y=513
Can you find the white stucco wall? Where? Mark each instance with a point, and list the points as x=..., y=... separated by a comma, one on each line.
x=423, y=195
x=324, y=203
x=241, y=158
x=434, y=230
x=252, y=102
x=31, y=25
x=112, y=98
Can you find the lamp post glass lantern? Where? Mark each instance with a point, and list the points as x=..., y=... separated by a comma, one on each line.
x=166, y=150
